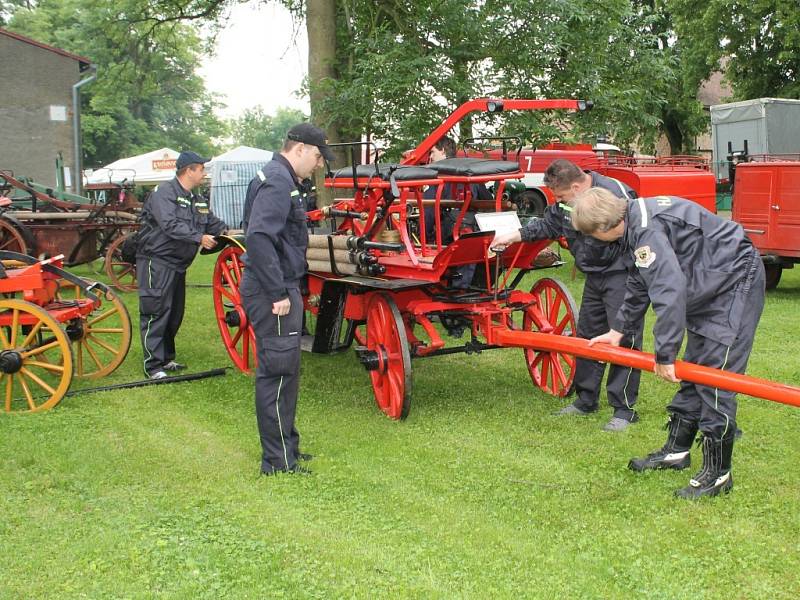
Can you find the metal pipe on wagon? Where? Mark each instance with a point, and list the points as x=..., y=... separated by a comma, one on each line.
x=76, y=126
x=644, y=361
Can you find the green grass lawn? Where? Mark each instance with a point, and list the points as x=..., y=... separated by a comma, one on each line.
x=481, y=492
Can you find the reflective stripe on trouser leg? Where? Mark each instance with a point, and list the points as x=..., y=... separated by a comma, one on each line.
x=622, y=384
x=278, y=410
x=275, y=392
x=156, y=289
x=592, y=321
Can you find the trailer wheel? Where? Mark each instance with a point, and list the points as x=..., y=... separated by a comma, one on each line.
x=773, y=273
x=391, y=371
x=13, y=239
x=554, y=311
x=531, y=203
x=237, y=333
x=35, y=358
x=121, y=273
x=102, y=338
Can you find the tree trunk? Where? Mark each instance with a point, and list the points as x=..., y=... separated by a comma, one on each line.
x=672, y=129
x=321, y=29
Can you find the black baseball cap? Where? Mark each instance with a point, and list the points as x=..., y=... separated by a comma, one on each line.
x=309, y=134
x=187, y=158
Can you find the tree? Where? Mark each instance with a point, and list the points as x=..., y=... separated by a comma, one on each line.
x=147, y=94
x=755, y=42
x=257, y=129
x=401, y=67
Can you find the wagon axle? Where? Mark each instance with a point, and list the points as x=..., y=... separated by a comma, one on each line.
x=232, y=318
x=372, y=360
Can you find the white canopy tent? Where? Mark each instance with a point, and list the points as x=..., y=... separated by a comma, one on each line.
x=150, y=168
x=231, y=173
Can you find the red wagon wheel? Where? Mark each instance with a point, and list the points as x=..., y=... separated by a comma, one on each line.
x=11, y=239
x=237, y=333
x=554, y=312
x=391, y=375
x=121, y=273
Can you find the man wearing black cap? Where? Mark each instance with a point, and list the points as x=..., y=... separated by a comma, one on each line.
x=175, y=223
x=275, y=262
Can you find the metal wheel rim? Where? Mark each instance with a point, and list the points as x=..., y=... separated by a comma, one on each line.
x=106, y=334
x=239, y=340
x=386, y=335
x=11, y=239
x=47, y=363
x=554, y=312
x=122, y=274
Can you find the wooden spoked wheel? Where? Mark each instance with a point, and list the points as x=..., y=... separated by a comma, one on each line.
x=553, y=312
x=11, y=239
x=237, y=333
x=390, y=363
x=102, y=338
x=35, y=358
x=121, y=273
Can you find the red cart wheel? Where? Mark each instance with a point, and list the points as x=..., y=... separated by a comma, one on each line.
x=12, y=239
x=391, y=376
x=121, y=273
x=237, y=333
x=554, y=312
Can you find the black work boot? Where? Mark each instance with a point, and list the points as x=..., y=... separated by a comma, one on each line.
x=715, y=476
x=675, y=453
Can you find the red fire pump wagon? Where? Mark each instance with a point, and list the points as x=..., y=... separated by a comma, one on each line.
x=379, y=280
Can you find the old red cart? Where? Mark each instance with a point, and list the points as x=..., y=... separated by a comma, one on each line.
x=53, y=326
x=377, y=280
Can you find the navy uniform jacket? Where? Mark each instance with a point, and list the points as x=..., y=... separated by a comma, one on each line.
x=686, y=261
x=591, y=255
x=277, y=236
x=174, y=222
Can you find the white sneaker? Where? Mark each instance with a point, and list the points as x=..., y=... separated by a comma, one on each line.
x=174, y=366
x=158, y=375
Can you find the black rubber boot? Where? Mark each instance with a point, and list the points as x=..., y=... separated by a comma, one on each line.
x=675, y=453
x=715, y=476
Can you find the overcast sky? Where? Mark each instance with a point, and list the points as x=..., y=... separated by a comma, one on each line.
x=260, y=60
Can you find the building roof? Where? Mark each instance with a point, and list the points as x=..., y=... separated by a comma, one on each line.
x=84, y=62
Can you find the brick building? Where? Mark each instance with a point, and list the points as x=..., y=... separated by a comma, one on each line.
x=36, y=109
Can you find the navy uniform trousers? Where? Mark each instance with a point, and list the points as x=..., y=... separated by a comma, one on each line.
x=713, y=409
x=603, y=294
x=162, y=299
x=277, y=376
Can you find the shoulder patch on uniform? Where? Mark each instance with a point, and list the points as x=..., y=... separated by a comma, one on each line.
x=295, y=193
x=664, y=201
x=644, y=257
x=566, y=207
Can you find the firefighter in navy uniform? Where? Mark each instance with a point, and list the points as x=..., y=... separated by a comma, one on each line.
x=704, y=278
x=603, y=291
x=175, y=223
x=275, y=264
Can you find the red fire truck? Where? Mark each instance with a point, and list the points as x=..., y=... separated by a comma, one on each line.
x=766, y=201
x=688, y=177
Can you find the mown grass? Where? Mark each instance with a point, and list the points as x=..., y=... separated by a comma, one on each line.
x=481, y=492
